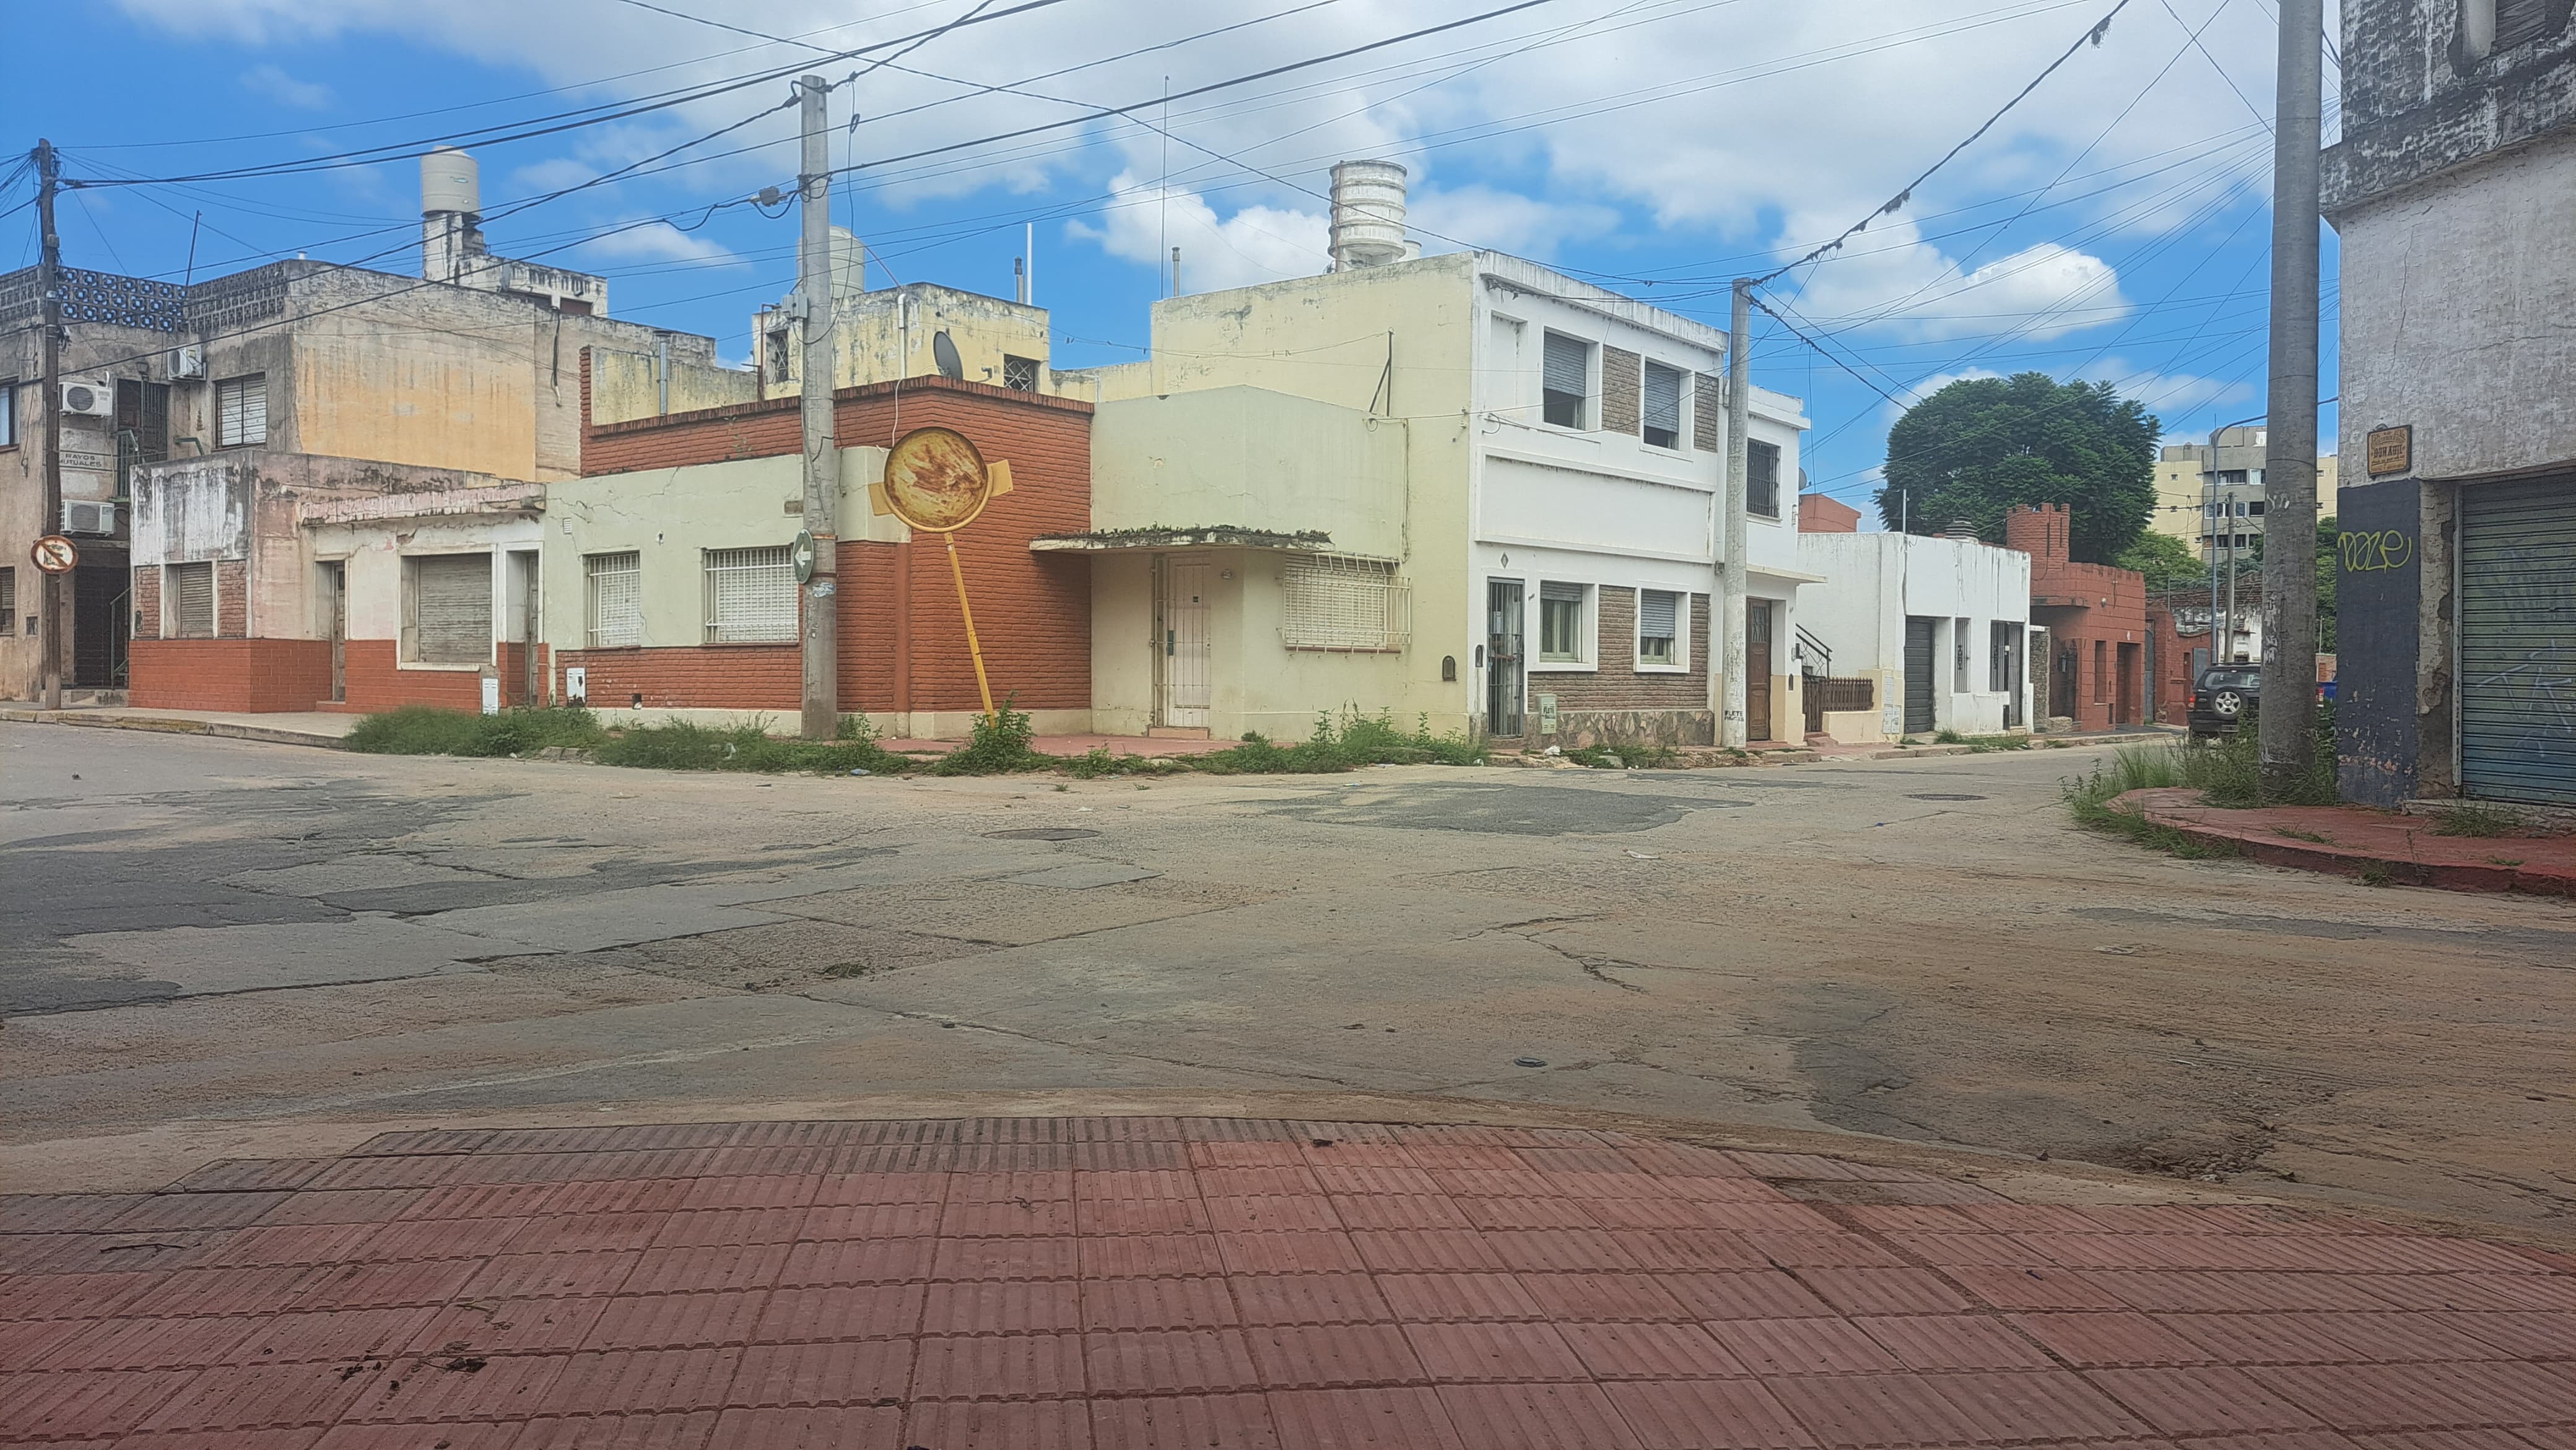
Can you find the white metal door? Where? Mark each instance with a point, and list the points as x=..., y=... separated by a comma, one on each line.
x=1181, y=612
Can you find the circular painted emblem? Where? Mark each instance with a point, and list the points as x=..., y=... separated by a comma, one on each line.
x=935, y=480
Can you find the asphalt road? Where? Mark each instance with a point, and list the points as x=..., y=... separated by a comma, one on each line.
x=212, y=947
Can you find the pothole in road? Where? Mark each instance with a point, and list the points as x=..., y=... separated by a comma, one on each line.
x=1041, y=833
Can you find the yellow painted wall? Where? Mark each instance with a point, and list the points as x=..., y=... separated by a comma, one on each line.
x=1250, y=458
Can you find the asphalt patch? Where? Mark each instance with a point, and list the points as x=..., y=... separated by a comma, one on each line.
x=1498, y=809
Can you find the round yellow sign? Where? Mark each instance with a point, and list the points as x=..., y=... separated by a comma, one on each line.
x=936, y=481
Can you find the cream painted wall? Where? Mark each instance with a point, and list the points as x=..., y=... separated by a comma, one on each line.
x=669, y=516
x=372, y=555
x=1250, y=458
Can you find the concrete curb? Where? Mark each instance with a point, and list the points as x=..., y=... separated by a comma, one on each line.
x=220, y=729
x=2257, y=844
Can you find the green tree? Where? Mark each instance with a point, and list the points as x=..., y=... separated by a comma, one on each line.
x=1978, y=447
x=2167, y=562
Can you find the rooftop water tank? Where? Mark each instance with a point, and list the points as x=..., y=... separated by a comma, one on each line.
x=450, y=181
x=1368, y=214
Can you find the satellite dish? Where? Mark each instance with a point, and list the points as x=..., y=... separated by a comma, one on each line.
x=943, y=351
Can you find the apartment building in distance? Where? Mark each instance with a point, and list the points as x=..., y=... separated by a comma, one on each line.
x=2193, y=495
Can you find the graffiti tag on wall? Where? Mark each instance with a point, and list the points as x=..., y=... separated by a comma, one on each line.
x=2372, y=551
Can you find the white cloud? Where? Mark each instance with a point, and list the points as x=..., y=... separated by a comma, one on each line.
x=656, y=242
x=1504, y=221
x=286, y=90
x=1143, y=222
x=2169, y=394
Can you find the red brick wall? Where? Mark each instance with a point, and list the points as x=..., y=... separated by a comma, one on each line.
x=1821, y=514
x=147, y=603
x=691, y=677
x=2172, y=664
x=232, y=598
x=2082, y=605
x=902, y=641
x=229, y=674
x=376, y=683
x=514, y=676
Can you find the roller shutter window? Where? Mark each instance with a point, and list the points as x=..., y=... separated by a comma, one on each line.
x=1762, y=479
x=1663, y=406
x=452, y=609
x=751, y=596
x=190, y=588
x=1658, y=627
x=616, y=599
x=8, y=601
x=241, y=411
x=2517, y=665
x=1566, y=380
x=1344, y=604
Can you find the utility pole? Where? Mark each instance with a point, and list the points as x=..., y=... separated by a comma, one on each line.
x=50, y=608
x=821, y=614
x=2289, y=717
x=1731, y=723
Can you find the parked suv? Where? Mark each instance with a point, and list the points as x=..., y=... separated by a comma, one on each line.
x=2225, y=695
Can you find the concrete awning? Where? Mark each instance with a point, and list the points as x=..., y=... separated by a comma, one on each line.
x=513, y=500
x=1202, y=536
x=1792, y=577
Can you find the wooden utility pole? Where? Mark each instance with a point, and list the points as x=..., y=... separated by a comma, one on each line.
x=820, y=618
x=1737, y=554
x=2288, y=744
x=50, y=604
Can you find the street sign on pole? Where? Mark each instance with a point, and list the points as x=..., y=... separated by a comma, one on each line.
x=55, y=554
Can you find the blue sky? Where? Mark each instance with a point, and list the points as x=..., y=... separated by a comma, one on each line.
x=2113, y=226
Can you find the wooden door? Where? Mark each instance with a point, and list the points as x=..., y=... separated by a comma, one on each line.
x=1757, y=669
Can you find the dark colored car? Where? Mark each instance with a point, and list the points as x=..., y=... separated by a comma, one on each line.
x=2225, y=696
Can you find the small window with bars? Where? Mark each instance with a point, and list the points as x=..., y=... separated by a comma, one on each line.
x=1659, y=629
x=188, y=595
x=1663, y=406
x=1762, y=479
x=1566, y=381
x=8, y=601
x=1020, y=374
x=1560, y=622
x=616, y=590
x=1356, y=605
x=751, y=596
x=241, y=411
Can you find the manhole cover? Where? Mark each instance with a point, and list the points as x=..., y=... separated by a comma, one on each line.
x=1041, y=833
x=1940, y=795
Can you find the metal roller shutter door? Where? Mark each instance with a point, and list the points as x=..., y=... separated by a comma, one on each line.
x=192, y=600
x=1918, y=674
x=2517, y=681
x=454, y=620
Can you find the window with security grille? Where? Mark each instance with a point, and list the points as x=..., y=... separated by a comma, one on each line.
x=616, y=599
x=751, y=596
x=241, y=411
x=189, y=590
x=1344, y=604
x=1020, y=374
x=1566, y=381
x=1762, y=479
x=1659, y=627
x=1560, y=622
x=1663, y=406
x=450, y=608
x=8, y=601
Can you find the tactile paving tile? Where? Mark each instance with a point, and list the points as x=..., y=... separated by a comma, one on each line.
x=1233, y=1284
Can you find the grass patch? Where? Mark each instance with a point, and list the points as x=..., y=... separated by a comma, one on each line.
x=1622, y=757
x=2504, y=860
x=2481, y=818
x=2138, y=767
x=1352, y=741
x=998, y=745
x=1947, y=736
x=680, y=745
x=430, y=730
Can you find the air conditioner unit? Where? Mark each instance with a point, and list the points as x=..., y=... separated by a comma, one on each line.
x=89, y=397
x=88, y=516
x=187, y=362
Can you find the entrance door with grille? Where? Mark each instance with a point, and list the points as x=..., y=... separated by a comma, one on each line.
x=1504, y=682
x=1918, y=674
x=1757, y=669
x=1182, y=673
x=2517, y=678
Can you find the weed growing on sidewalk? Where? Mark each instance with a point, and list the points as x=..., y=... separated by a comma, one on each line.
x=1355, y=740
x=999, y=745
x=2479, y=818
x=680, y=745
x=429, y=730
x=2138, y=767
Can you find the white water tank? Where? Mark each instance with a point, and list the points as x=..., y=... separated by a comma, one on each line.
x=450, y=182
x=1368, y=214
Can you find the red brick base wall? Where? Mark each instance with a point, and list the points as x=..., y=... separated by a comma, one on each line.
x=700, y=677
x=229, y=674
x=376, y=683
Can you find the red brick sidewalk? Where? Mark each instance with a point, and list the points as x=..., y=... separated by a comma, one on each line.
x=2351, y=841
x=1168, y=1283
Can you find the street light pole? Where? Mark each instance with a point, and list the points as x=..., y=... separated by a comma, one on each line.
x=2288, y=720
x=820, y=618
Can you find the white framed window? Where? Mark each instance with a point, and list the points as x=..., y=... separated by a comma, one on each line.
x=1564, y=623
x=1660, y=621
x=241, y=411
x=188, y=600
x=448, y=609
x=1332, y=603
x=1662, y=406
x=1762, y=479
x=9, y=413
x=1565, y=399
x=751, y=596
x=615, y=585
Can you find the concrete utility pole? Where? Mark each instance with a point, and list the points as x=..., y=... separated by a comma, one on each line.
x=821, y=615
x=1739, y=552
x=2289, y=717
x=50, y=609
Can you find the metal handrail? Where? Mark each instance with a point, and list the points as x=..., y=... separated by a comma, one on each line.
x=1818, y=659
